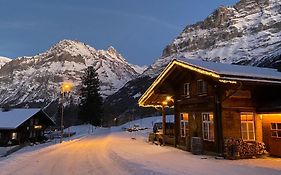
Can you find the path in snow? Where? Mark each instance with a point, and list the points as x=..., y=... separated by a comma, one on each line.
x=116, y=153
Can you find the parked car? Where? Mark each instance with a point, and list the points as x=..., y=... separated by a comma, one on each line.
x=157, y=128
x=157, y=135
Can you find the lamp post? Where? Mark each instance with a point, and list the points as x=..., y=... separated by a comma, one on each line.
x=65, y=87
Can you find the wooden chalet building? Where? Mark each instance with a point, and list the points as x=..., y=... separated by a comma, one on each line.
x=215, y=102
x=20, y=125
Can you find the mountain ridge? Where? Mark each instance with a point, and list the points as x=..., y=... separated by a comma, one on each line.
x=37, y=78
x=247, y=33
x=4, y=60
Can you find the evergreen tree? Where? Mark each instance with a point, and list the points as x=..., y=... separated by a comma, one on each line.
x=90, y=99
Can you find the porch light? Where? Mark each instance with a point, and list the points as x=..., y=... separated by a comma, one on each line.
x=37, y=126
x=164, y=103
x=168, y=98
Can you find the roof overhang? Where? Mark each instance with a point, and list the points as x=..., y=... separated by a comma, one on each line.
x=163, y=75
x=222, y=78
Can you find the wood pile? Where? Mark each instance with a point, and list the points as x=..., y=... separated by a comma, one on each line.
x=239, y=149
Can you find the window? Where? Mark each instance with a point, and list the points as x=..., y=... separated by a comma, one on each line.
x=208, y=126
x=184, y=127
x=36, y=121
x=31, y=122
x=201, y=87
x=14, y=135
x=276, y=130
x=247, y=126
x=186, y=90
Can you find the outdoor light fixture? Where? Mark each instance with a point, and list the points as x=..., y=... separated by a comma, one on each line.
x=37, y=126
x=168, y=98
x=64, y=88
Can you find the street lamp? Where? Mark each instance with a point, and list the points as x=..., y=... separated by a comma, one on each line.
x=64, y=88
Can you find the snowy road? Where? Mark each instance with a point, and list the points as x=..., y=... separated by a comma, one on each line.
x=116, y=153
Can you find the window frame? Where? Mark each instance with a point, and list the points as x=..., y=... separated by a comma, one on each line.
x=184, y=125
x=186, y=90
x=275, y=130
x=248, y=123
x=14, y=135
x=208, y=123
x=202, y=87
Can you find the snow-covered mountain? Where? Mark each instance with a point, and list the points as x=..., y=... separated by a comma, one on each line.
x=4, y=60
x=247, y=33
x=38, y=78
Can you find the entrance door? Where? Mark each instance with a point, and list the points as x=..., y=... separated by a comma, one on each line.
x=184, y=129
x=271, y=125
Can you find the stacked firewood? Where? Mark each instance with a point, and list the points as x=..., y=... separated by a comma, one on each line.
x=239, y=149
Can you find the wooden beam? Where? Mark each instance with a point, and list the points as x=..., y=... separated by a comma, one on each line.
x=163, y=123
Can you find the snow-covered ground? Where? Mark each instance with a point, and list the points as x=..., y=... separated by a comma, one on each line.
x=113, y=151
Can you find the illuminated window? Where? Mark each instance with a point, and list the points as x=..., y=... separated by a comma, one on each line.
x=184, y=127
x=186, y=89
x=276, y=130
x=201, y=87
x=14, y=135
x=208, y=126
x=247, y=126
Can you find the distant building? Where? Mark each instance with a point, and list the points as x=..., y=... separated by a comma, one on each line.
x=216, y=102
x=20, y=125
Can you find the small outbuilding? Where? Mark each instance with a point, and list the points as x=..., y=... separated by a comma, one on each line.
x=223, y=108
x=21, y=125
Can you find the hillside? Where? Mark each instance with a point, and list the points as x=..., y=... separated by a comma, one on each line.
x=37, y=79
x=247, y=33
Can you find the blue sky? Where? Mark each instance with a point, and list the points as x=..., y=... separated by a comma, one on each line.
x=138, y=29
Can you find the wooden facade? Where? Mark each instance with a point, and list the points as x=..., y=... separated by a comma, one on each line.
x=30, y=130
x=216, y=109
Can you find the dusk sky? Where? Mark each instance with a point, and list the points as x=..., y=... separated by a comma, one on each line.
x=138, y=29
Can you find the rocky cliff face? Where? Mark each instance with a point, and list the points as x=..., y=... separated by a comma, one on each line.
x=4, y=60
x=247, y=33
x=37, y=79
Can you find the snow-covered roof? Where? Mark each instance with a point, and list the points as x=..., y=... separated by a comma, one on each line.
x=236, y=72
x=15, y=117
x=224, y=73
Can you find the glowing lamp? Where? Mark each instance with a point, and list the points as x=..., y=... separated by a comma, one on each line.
x=66, y=87
x=169, y=98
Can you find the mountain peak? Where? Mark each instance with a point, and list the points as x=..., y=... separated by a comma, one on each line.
x=37, y=78
x=72, y=47
x=4, y=60
x=111, y=49
x=246, y=33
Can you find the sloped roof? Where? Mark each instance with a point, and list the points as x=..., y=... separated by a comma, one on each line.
x=238, y=72
x=15, y=117
x=225, y=73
